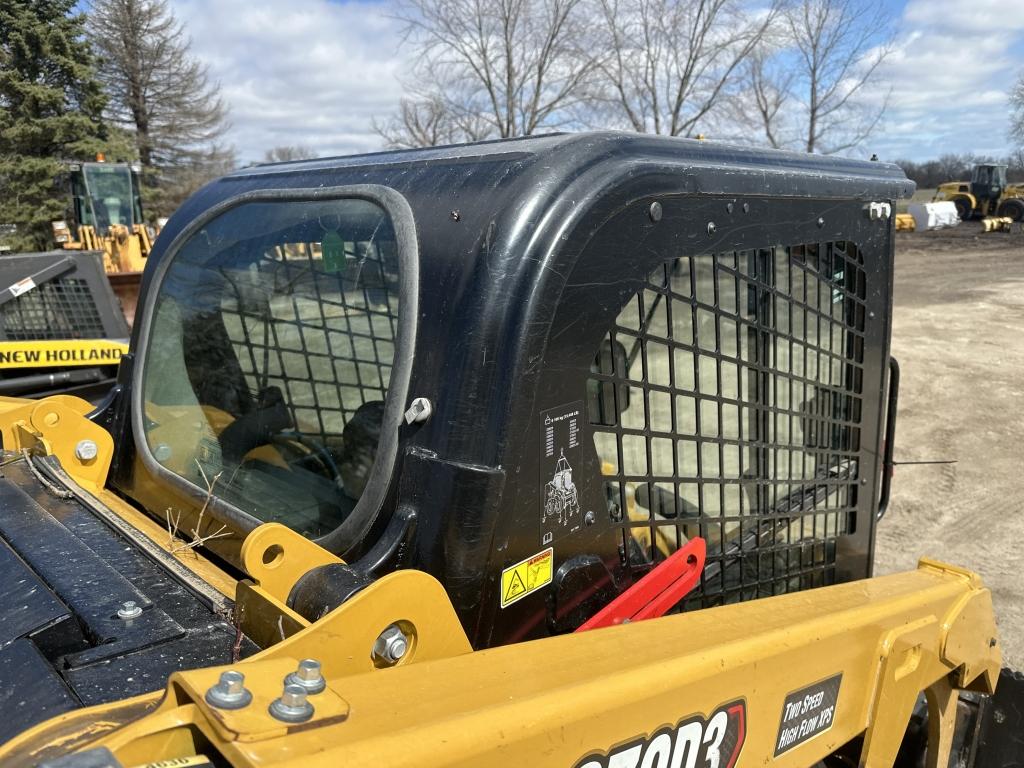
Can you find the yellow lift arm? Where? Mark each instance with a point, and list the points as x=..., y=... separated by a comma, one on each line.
x=783, y=681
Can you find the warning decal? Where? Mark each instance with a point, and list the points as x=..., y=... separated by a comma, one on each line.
x=807, y=712
x=529, y=575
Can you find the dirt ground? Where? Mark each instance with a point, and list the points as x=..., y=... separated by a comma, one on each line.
x=958, y=334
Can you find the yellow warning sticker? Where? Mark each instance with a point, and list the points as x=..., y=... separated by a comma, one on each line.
x=64, y=352
x=526, y=576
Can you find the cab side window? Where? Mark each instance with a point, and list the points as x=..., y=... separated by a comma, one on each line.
x=270, y=355
x=726, y=403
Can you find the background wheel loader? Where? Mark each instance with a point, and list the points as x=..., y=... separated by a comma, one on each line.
x=106, y=202
x=986, y=194
x=65, y=315
x=312, y=523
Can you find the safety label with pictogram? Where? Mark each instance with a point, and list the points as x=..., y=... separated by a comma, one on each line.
x=561, y=451
x=526, y=576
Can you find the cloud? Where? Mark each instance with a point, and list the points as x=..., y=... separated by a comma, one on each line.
x=306, y=72
x=317, y=73
x=951, y=72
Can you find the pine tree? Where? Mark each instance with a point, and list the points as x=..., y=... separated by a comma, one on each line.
x=163, y=94
x=51, y=108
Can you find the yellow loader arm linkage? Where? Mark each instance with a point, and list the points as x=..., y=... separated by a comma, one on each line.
x=784, y=680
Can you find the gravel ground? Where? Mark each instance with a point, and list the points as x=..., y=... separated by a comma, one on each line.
x=958, y=334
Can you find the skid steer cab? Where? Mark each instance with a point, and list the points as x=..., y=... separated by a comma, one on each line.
x=559, y=451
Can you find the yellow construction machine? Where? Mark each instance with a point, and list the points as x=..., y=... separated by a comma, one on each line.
x=561, y=451
x=107, y=206
x=987, y=194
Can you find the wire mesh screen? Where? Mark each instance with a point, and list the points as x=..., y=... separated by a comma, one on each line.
x=322, y=333
x=726, y=403
x=63, y=308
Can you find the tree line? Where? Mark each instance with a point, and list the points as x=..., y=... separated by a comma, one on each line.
x=119, y=81
x=795, y=74
x=957, y=167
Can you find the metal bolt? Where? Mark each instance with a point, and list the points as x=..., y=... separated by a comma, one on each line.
x=455, y=215
x=589, y=518
x=162, y=452
x=746, y=207
x=711, y=227
x=229, y=692
x=655, y=211
x=728, y=207
x=308, y=676
x=86, y=450
x=292, y=707
x=419, y=411
x=129, y=610
x=821, y=222
x=390, y=646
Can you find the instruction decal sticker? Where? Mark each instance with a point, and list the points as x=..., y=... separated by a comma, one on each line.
x=714, y=742
x=807, y=712
x=560, y=453
x=526, y=576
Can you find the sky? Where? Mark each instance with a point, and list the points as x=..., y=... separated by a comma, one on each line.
x=318, y=73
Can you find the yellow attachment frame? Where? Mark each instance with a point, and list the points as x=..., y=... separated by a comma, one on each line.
x=558, y=700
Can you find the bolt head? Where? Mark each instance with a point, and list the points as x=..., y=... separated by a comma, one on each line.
x=711, y=228
x=419, y=411
x=655, y=211
x=293, y=696
x=590, y=518
x=728, y=207
x=309, y=669
x=308, y=675
x=292, y=707
x=232, y=682
x=391, y=646
x=129, y=610
x=86, y=450
x=229, y=692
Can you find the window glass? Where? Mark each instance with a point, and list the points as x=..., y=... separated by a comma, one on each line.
x=729, y=388
x=270, y=355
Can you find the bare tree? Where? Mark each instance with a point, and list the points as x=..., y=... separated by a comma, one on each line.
x=430, y=121
x=1017, y=112
x=490, y=68
x=836, y=67
x=761, y=106
x=158, y=89
x=285, y=154
x=671, y=62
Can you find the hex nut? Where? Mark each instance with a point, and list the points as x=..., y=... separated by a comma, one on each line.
x=390, y=646
x=229, y=692
x=308, y=676
x=293, y=706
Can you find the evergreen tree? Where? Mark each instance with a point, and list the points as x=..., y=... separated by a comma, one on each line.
x=160, y=92
x=51, y=107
